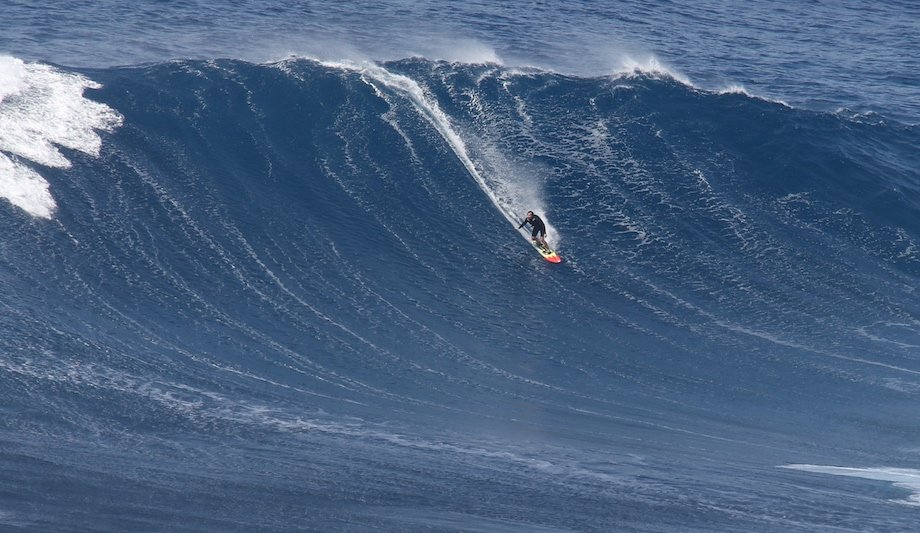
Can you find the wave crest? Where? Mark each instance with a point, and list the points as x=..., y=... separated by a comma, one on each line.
x=42, y=109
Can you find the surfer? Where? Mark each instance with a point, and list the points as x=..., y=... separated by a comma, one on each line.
x=538, y=234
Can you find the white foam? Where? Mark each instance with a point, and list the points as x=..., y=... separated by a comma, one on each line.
x=733, y=89
x=905, y=478
x=630, y=66
x=12, y=73
x=25, y=189
x=42, y=109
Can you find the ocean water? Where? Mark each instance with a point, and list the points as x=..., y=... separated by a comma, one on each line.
x=259, y=268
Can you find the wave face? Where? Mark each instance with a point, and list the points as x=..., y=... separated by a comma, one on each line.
x=292, y=296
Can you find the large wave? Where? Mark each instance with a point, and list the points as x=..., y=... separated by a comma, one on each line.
x=299, y=285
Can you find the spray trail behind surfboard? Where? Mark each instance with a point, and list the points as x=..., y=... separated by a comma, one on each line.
x=510, y=197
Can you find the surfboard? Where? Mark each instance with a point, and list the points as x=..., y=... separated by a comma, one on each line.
x=547, y=253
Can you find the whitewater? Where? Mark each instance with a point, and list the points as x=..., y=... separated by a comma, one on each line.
x=271, y=279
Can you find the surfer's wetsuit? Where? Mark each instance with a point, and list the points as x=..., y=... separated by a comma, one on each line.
x=537, y=224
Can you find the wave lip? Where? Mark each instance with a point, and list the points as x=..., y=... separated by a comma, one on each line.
x=41, y=109
x=652, y=67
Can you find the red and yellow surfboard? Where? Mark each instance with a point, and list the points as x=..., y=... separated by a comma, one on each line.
x=547, y=253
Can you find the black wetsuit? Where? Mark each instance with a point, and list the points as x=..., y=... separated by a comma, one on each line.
x=537, y=224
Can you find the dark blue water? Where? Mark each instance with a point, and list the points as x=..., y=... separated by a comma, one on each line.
x=241, y=293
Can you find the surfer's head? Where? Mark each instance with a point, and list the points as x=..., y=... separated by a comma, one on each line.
x=530, y=214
